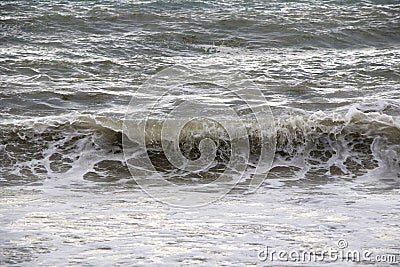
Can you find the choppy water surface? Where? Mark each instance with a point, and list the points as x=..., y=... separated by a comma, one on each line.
x=330, y=71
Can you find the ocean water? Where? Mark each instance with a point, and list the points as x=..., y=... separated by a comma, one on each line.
x=199, y=132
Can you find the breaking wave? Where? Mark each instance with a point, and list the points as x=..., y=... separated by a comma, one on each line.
x=342, y=144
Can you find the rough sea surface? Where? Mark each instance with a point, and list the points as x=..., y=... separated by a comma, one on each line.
x=329, y=70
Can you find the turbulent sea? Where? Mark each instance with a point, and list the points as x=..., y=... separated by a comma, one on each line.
x=71, y=71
